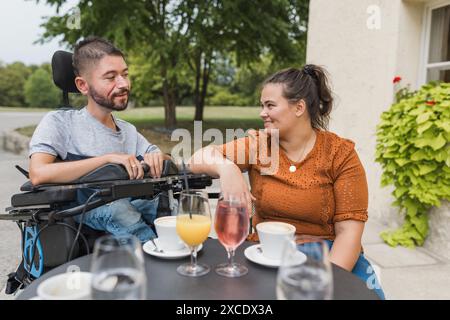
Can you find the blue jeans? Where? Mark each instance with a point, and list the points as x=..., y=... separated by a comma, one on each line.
x=364, y=270
x=123, y=217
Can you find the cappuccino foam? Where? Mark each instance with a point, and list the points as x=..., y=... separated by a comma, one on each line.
x=275, y=228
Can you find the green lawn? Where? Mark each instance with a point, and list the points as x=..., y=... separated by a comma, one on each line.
x=156, y=114
x=18, y=109
x=150, y=120
x=26, y=131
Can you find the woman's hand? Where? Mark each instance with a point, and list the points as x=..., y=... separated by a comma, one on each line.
x=210, y=160
x=233, y=184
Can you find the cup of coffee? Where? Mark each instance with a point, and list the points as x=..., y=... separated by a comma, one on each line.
x=66, y=286
x=272, y=235
x=168, y=239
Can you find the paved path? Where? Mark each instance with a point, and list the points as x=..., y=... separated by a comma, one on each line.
x=10, y=181
x=13, y=120
x=404, y=273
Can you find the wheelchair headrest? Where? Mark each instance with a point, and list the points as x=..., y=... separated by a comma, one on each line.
x=63, y=74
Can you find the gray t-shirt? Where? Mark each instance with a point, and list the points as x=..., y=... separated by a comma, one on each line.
x=76, y=134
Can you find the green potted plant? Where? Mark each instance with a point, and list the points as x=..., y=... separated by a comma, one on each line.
x=413, y=149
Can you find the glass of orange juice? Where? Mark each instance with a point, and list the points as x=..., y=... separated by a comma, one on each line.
x=193, y=227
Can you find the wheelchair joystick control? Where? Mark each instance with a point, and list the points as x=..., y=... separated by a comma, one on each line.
x=145, y=167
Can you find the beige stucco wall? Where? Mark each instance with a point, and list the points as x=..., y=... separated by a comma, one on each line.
x=362, y=63
x=409, y=46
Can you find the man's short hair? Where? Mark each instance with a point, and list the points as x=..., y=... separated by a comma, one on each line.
x=90, y=50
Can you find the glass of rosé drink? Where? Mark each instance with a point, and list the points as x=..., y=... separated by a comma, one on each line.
x=231, y=225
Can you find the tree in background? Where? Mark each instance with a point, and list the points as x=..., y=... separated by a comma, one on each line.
x=242, y=86
x=243, y=32
x=40, y=91
x=12, y=80
x=183, y=40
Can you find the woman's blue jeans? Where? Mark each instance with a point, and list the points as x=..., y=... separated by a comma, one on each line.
x=362, y=269
x=365, y=271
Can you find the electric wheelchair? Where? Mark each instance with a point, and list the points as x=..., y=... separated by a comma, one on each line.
x=44, y=213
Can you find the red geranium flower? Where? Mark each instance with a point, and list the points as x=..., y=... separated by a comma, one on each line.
x=397, y=79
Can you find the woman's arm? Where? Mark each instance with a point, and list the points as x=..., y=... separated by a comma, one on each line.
x=351, y=198
x=347, y=245
x=210, y=160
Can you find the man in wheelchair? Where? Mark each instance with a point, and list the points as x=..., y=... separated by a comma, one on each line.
x=67, y=144
x=90, y=167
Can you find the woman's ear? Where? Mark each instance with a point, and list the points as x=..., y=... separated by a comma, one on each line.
x=300, y=108
x=82, y=85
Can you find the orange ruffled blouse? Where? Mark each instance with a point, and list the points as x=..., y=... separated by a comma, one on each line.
x=328, y=186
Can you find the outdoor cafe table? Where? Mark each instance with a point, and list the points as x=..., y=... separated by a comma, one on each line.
x=164, y=283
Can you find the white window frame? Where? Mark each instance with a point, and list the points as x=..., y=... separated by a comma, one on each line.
x=424, y=64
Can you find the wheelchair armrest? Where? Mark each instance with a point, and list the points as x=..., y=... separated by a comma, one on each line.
x=107, y=172
x=112, y=171
x=27, y=186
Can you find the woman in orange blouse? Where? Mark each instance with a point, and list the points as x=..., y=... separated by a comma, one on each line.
x=320, y=184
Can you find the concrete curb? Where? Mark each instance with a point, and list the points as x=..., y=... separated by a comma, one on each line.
x=15, y=142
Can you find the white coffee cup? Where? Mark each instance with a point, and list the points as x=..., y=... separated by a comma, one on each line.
x=168, y=239
x=66, y=286
x=272, y=235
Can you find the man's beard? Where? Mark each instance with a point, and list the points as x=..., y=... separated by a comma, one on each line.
x=109, y=103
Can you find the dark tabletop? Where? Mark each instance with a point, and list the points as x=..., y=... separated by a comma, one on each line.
x=164, y=283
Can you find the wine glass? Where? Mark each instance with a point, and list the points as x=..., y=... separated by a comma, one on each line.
x=305, y=270
x=232, y=227
x=193, y=227
x=118, y=271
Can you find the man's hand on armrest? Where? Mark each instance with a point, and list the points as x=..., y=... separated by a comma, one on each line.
x=44, y=169
x=155, y=161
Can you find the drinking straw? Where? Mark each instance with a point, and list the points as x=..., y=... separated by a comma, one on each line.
x=186, y=185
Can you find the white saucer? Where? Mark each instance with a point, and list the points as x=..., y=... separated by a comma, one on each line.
x=255, y=255
x=148, y=247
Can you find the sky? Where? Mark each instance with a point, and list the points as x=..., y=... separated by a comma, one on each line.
x=20, y=26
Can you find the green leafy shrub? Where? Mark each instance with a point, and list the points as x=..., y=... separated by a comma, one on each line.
x=413, y=149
